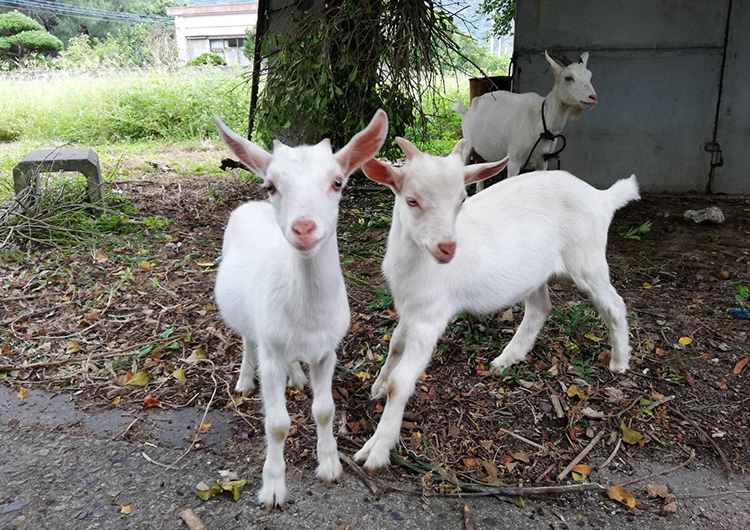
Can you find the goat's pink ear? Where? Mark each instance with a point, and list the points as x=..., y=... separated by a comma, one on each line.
x=409, y=149
x=556, y=68
x=325, y=142
x=477, y=172
x=384, y=173
x=458, y=149
x=254, y=157
x=364, y=144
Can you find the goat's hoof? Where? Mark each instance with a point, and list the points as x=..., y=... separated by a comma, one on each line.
x=244, y=388
x=618, y=368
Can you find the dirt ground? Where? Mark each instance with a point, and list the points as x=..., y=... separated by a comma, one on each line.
x=93, y=320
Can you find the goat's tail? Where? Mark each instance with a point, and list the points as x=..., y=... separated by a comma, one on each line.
x=460, y=108
x=622, y=192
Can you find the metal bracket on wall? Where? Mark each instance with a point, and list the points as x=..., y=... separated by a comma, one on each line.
x=717, y=160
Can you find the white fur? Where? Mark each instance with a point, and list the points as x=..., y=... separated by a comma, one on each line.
x=282, y=290
x=501, y=123
x=510, y=240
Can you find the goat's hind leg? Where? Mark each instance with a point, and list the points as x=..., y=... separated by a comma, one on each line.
x=535, y=314
x=246, y=381
x=321, y=375
x=612, y=310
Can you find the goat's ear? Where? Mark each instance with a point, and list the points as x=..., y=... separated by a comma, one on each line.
x=384, y=173
x=364, y=144
x=556, y=68
x=326, y=142
x=254, y=157
x=409, y=149
x=584, y=59
x=477, y=172
x=458, y=149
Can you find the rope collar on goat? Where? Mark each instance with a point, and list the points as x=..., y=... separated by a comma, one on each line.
x=546, y=135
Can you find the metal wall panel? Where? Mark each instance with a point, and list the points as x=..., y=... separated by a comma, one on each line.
x=656, y=67
x=733, y=134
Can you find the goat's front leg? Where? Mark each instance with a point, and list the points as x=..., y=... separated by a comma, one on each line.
x=321, y=374
x=277, y=422
x=395, y=349
x=514, y=167
x=418, y=348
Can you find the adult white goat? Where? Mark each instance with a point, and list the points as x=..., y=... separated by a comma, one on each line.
x=500, y=246
x=280, y=285
x=501, y=123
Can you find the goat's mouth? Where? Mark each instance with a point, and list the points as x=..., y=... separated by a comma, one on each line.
x=305, y=245
x=441, y=257
x=587, y=104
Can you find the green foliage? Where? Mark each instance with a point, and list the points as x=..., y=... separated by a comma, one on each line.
x=13, y=22
x=123, y=107
x=132, y=46
x=442, y=126
x=248, y=47
x=575, y=319
x=327, y=77
x=472, y=55
x=21, y=36
x=207, y=59
x=501, y=13
x=742, y=295
x=637, y=233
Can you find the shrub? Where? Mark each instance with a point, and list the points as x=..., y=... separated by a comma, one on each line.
x=14, y=22
x=208, y=59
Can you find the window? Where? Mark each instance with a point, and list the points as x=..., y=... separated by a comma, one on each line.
x=219, y=45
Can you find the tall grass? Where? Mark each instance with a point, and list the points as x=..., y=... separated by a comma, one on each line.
x=123, y=106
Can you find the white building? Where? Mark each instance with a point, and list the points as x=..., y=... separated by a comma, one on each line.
x=219, y=29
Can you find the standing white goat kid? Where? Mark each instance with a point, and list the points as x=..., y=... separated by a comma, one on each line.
x=501, y=123
x=500, y=246
x=280, y=285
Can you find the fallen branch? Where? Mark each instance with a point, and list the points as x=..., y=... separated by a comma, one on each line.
x=123, y=433
x=581, y=455
x=524, y=440
x=612, y=456
x=660, y=473
x=468, y=521
x=192, y=520
x=660, y=402
x=360, y=473
x=727, y=465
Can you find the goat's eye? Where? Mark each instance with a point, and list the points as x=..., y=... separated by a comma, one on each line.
x=569, y=78
x=411, y=201
x=338, y=183
x=269, y=187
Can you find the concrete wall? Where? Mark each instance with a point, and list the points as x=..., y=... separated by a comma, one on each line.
x=657, y=68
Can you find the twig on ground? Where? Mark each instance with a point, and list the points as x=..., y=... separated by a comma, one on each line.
x=123, y=433
x=197, y=434
x=581, y=455
x=612, y=456
x=524, y=440
x=544, y=473
x=367, y=481
x=727, y=465
x=192, y=520
x=709, y=495
x=468, y=521
x=660, y=473
x=660, y=402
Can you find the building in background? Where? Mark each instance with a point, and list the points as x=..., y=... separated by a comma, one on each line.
x=219, y=29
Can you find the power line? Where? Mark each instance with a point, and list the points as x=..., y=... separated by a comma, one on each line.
x=46, y=6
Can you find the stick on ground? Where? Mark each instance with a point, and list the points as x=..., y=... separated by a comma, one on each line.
x=581, y=456
x=192, y=520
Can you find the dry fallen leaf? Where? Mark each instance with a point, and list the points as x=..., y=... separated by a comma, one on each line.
x=660, y=352
x=582, y=469
x=658, y=490
x=740, y=365
x=73, y=347
x=139, y=379
x=125, y=509
x=685, y=341
x=470, y=462
x=5, y=349
x=621, y=495
x=22, y=393
x=523, y=457
x=593, y=414
x=632, y=437
x=573, y=390
x=669, y=508
x=197, y=356
x=116, y=400
x=151, y=402
x=179, y=374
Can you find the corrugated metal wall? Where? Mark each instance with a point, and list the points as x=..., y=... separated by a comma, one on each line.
x=657, y=70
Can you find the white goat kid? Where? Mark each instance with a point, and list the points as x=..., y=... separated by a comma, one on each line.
x=501, y=123
x=498, y=247
x=280, y=285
